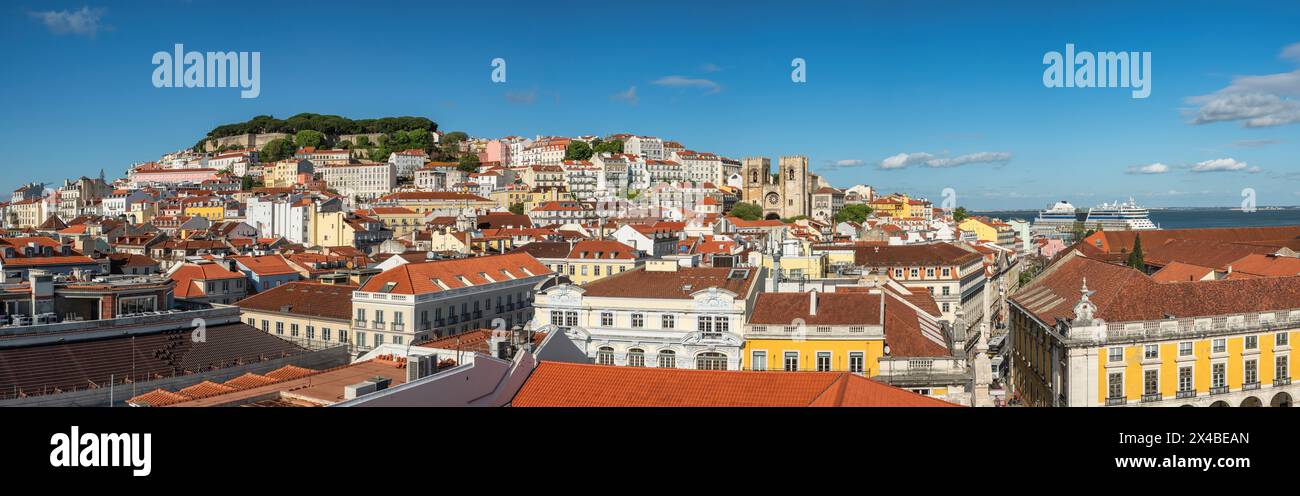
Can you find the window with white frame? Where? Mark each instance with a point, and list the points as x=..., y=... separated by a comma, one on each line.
x=1250, y=372
x=1185, y=348
x=1151, y=352
x=1282, y=339
x=636, y=357
x=605, y=356
x=607, y=319
x=1151, y=381
x=638, y=320
x=667, y=359
x=857, y=361
x=791, y=361
x=1184, y=379
x=1219, y=375
x=759, y=360
x=711, y=361
x=668, y=321
x=1116, y=354
x=1281, y=369
x=823, y=361
x=1220, y=345
x=1116, y=385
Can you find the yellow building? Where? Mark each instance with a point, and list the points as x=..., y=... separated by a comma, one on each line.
x=284, y=174
x=332, y=229
x=213, y=209
x=982, y=229
x=842, y=331
x=900, y=206
x=530, y=199
x=1129, y=340
x=400, y=220
x=583, y=261
x=436, y=202
x=839, y=332
x=321, y=321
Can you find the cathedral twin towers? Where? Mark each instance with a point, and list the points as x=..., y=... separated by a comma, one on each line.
x=787, y=195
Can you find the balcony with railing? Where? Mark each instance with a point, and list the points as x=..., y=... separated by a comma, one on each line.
x=1116, y=401
x=1250, y=386
x=1186, y=394
x=1219, y=390
x=1282, y=381
x=1151, y=397
x=1177, y=328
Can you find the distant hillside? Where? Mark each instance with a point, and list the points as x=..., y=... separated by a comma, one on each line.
x=331, y=126
x=328, y=124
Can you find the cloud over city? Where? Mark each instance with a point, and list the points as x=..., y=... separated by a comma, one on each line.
x=1156, y=168
x=1254, y=100
x=82, y=22
x=709, y=86
x=904, y=160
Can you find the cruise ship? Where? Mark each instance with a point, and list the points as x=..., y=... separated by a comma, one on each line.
x=1118, y=216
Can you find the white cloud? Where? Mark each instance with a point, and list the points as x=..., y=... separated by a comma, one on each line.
x=903, y=160
x=710, y=67
x=1220, y=165
x=1255, y=100
x=1256, y=143
x=628, y=96
x=970, y=158
x=1253, y=109
x=522, y=97
x=710, y=87
x=848, y=163
x=83, y=22
x=1291, y=52
x=1156, y=168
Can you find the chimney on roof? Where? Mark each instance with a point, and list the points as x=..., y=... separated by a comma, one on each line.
x=812, y=302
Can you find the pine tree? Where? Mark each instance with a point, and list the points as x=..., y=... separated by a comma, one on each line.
x=1135, y=259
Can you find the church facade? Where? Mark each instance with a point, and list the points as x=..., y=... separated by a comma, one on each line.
x=787, y=195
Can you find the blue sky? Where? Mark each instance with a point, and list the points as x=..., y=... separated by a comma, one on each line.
x=943, y=82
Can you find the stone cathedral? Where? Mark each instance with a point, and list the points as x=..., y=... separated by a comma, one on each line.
x=789, y=195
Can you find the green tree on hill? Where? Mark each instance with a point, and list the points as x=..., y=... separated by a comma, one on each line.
x=960, y=214
x=309, y=138
x=577, y=150
x=747, y=211
x=468, y=163
x=853, y=212
x=276, y=150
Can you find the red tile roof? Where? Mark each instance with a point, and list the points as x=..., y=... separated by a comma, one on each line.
x=1124, y=294
x=561, y=384
x=304, y=298
x=679, y=284
x=188, y=275
x=419, y=278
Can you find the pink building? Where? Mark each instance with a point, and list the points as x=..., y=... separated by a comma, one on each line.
x=496, y=151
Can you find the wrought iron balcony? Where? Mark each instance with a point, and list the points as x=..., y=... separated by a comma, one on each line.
x=1116, y=401
x=1151, y=398
x=1282, y=381
x=1250, y=386
x=1219, y=390
x=1186, y=394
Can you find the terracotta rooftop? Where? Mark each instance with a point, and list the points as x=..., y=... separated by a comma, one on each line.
x=430, y=277
x=304, y=298
x=679, y=284
x=1124, y=294
x=558, y=384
